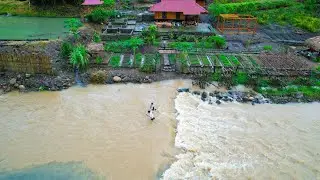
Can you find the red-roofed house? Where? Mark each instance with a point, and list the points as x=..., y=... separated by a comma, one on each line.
x=92, y=2
x=181, y=10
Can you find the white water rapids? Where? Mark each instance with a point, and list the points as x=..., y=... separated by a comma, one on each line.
x=239, y=141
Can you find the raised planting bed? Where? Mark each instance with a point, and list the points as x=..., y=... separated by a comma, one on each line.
x=224, y=60
x=127, y=61
x=253, y=61
x=172, y=58
x=204, y=60
x=234, y=60
x=193, y=59
x=114, y=61
x=214, y=60
x=137, y=60
x=149, y=64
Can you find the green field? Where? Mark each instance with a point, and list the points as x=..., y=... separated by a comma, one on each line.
x=21, y=28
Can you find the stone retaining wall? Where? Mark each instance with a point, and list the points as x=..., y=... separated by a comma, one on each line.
x=27, y=57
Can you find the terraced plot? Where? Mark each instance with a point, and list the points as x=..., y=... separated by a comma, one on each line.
x=215, y=60
x=234, y=60
x=172, y=58
x=224, y=60
x=204, y=60
x=114, y=61
x=127, y=61
x=193, y=60
x=254, y=62
x=137, y=60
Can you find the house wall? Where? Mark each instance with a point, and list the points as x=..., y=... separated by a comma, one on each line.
x=170, y=16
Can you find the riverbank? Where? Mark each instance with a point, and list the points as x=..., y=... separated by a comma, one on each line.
x=27, y=83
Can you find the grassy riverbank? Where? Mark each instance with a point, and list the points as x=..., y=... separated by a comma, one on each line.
x=304, y=89
x=22, y=8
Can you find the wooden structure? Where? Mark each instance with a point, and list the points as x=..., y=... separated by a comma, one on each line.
x=235, y=23
x=177, y=10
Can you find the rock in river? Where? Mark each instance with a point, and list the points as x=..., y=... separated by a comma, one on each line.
x=13, y=81
x=21, y=88
x=116, y=79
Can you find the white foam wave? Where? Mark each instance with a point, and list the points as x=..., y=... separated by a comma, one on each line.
x=235, y=141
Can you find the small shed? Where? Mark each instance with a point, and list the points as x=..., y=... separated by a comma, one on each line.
x=313, y=43
x=237, y=23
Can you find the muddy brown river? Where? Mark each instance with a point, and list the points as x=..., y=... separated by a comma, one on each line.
x=106, y=130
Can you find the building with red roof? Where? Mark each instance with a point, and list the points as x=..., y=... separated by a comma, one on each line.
x=181, y=10
x=92, y=2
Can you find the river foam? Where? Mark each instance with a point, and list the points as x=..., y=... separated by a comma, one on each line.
x=240, y=141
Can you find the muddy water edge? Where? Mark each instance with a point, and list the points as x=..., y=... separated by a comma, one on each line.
x=104, y=127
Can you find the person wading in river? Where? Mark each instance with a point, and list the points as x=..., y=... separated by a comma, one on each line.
x=150, y=112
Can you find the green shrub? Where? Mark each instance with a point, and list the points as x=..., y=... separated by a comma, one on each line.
x=66, y=49
x=240, y=78
x=121, y=46
x=100, y=15
x=181, y=46
x=96, y=37
x=311, y=24
x=267, y=48
x=115, y=61
x=98, y=77
x=216, y=77
x=150, y=34
x=79, y=57
x=109, y=3
x=73, y=25
x=99, y=60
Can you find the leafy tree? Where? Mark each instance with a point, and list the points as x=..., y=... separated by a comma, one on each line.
x=100, y=15
x=73, y=25
x=150, y=34
x=79, y=57
x=109, y=3
x=134, y=44
x=219, y=41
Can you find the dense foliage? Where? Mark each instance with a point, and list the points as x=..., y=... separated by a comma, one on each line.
x=66, y=49
x=73, y=25
x=96, y=37
x=120, y=46
x=150, y=34
x=100, y=15
x=109, y=3
x=150, y=62
x=79, y=57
